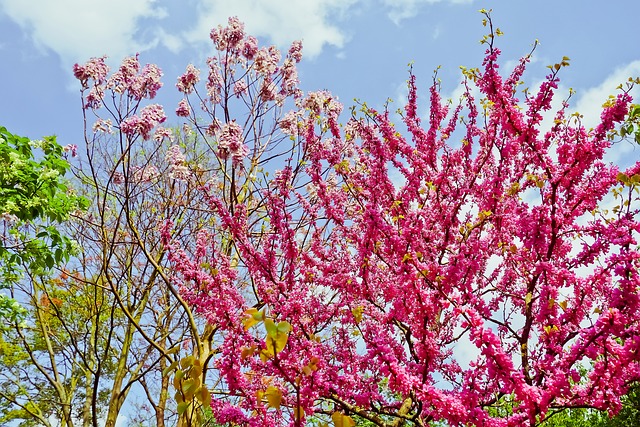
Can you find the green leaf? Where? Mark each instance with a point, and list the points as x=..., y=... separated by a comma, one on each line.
x=182, y=407
x=170, y=368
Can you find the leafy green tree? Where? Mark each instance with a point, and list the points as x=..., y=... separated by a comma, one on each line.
x=34, y=199
x=629, y=415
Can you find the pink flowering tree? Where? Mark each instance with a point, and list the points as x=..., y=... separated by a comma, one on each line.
x=477, y=269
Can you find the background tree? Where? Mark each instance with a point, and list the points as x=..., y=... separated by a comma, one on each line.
x=137, y=173
x=107, y=323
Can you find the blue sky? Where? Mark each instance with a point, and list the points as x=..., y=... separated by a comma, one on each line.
x=354, y=48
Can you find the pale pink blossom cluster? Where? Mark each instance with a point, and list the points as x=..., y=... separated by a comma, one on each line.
x=175, y=156
x=103, y=126
x=124, y=78
x=229, y=37
x=268, y=90
x=9, y=217
x=187, y=81
x=266, y=60
x=95, y=69
x=290, y=123
x=161, y=133
x=94, y=98
x=249, y=48
x=289, y=77
x=178, y=169
x=322, y=101
x=130, y=78
x=72, y=149
x=138, y=83
x=240, y=88
x=214, y=127
x=150, y=116
x=295, y=51
x=183, y=109
x=145, y=174
x=214, y=81
x=231, y=142
x=117, y=178
x=148, y=82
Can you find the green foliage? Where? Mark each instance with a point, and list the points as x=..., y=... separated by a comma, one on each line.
x=629, y=415
x=33, y=199
x=48, y=361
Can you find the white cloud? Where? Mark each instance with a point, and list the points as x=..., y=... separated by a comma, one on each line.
x=283, y=21
x=590, y=101
x=118, y=28
x=403, y=9
x=79, y=29
x=589, y=105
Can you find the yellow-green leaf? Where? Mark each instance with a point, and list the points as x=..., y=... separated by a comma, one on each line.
x=284, y=327
x=527, y=298
x=189, y=388
x=357, y=313
x=281, y=342
x=195, y=371
x=271, y=328
x=204, y=396
x=274, y=397
x=186, y=362
x=276, y=345
x=266, y=354
x=252, y=317
x=170, y=368
x=342, y=420
x=182, y=407
x=173, y=350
